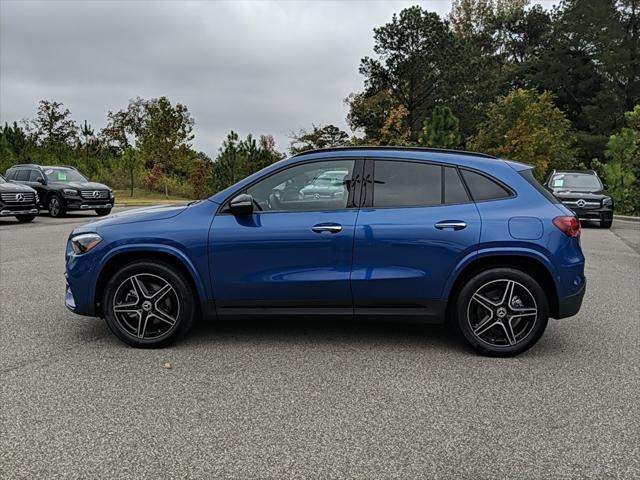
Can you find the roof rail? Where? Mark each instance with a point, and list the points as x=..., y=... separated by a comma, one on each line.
x=23, y=165
x=388, y=147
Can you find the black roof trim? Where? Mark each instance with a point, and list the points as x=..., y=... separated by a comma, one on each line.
x=387, y=147
x=35, y=165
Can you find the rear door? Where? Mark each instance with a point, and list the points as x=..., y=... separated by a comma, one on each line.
x=417, y=223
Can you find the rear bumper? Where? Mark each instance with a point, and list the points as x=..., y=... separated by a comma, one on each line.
x=569, y=306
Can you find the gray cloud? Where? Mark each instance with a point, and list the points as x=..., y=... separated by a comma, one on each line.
x=260, y=67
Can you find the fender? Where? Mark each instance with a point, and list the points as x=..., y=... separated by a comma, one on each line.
x=503, y=252
x=162, y=248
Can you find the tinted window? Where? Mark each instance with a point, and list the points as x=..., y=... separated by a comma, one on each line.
x=11, y=174
x=34, y=175
x=406, y=184
x=310, y=186
x=528, y=176
x=22, y=175
x=454, y=191
x=483, y=188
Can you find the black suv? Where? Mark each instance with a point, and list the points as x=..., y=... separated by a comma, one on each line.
x=583, y=192
x=17, y=201
x=62, y=189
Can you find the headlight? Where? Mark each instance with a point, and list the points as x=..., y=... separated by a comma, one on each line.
x=69, y=191
x=606, y=201
x=111, y=193
x=85, y=242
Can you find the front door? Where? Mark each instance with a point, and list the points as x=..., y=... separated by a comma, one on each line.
x=294, y=253
x=417, y=224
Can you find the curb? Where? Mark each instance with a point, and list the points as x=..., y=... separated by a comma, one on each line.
x=626, y=218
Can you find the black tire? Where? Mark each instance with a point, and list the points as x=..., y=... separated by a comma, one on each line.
x=56, y=206
x=604, y=223
x=178, y=304
x=26, y=218
x=102, y=212
x=514, y=329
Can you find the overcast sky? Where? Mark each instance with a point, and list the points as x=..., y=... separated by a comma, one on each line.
x=259, y=67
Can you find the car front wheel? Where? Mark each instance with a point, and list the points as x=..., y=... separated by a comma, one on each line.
x=101, y=212
x=56, y=207
x=606, y=222
x=25, y=218
x=148, y=304
x=502, y=312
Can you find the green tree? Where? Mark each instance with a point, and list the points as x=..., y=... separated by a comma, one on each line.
x=622, y=170
x=238, y=159
x=413, y=65
x=319, y=137
x=441, y=130
x=131, y=163
x=528, y=127
x=167, y=133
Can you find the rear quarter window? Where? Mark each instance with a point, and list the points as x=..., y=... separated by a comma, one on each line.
x=482, y=187
x=528, y=176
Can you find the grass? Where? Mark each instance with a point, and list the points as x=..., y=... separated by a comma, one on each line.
x=144, y=197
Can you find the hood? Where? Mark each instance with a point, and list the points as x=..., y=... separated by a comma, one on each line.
x=15, y=187
x=568, y=194
x=147, y=214
x=82, y=185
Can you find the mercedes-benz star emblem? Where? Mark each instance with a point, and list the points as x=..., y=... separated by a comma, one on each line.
x=581, y=203
x=19, y=197
x=95, y=194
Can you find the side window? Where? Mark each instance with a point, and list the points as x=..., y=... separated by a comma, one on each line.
x=11, y=175
x=454, y=191
x=483, y=188
x=22, y=175
x=34, y=175
x=321, y=185
x=406, y=184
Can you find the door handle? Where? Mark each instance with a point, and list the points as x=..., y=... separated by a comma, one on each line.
x=454, y=225
x=327, y=227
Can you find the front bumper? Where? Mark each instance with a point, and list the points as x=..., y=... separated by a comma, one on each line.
x=593, y=215
x=569, y=306
x=6, y=211
x=83, y=205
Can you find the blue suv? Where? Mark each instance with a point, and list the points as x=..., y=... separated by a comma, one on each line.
x=415, y=233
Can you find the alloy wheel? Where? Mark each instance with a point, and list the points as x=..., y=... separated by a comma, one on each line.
x=54, y=206
x=146, y=306
x=502, y=313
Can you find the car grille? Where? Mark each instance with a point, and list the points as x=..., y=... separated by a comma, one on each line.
x=580, y=203
x=20, y=197
x=94, y=194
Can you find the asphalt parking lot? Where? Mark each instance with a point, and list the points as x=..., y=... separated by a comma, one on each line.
x=317, y=400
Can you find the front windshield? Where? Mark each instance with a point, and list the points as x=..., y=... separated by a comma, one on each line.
x=575, y=181
x=63, y=175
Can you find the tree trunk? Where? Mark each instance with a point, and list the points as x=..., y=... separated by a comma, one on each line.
x=131, y=172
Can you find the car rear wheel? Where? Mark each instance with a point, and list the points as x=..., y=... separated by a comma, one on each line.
x=502, y=312
x=101, y=212
x=148, y=304
x=25, y=218
x=56, y=207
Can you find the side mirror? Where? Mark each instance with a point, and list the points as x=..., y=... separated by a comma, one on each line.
x=40, y=180
x=241, y=204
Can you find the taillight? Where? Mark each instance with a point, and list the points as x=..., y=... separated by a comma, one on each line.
x=570, y=226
